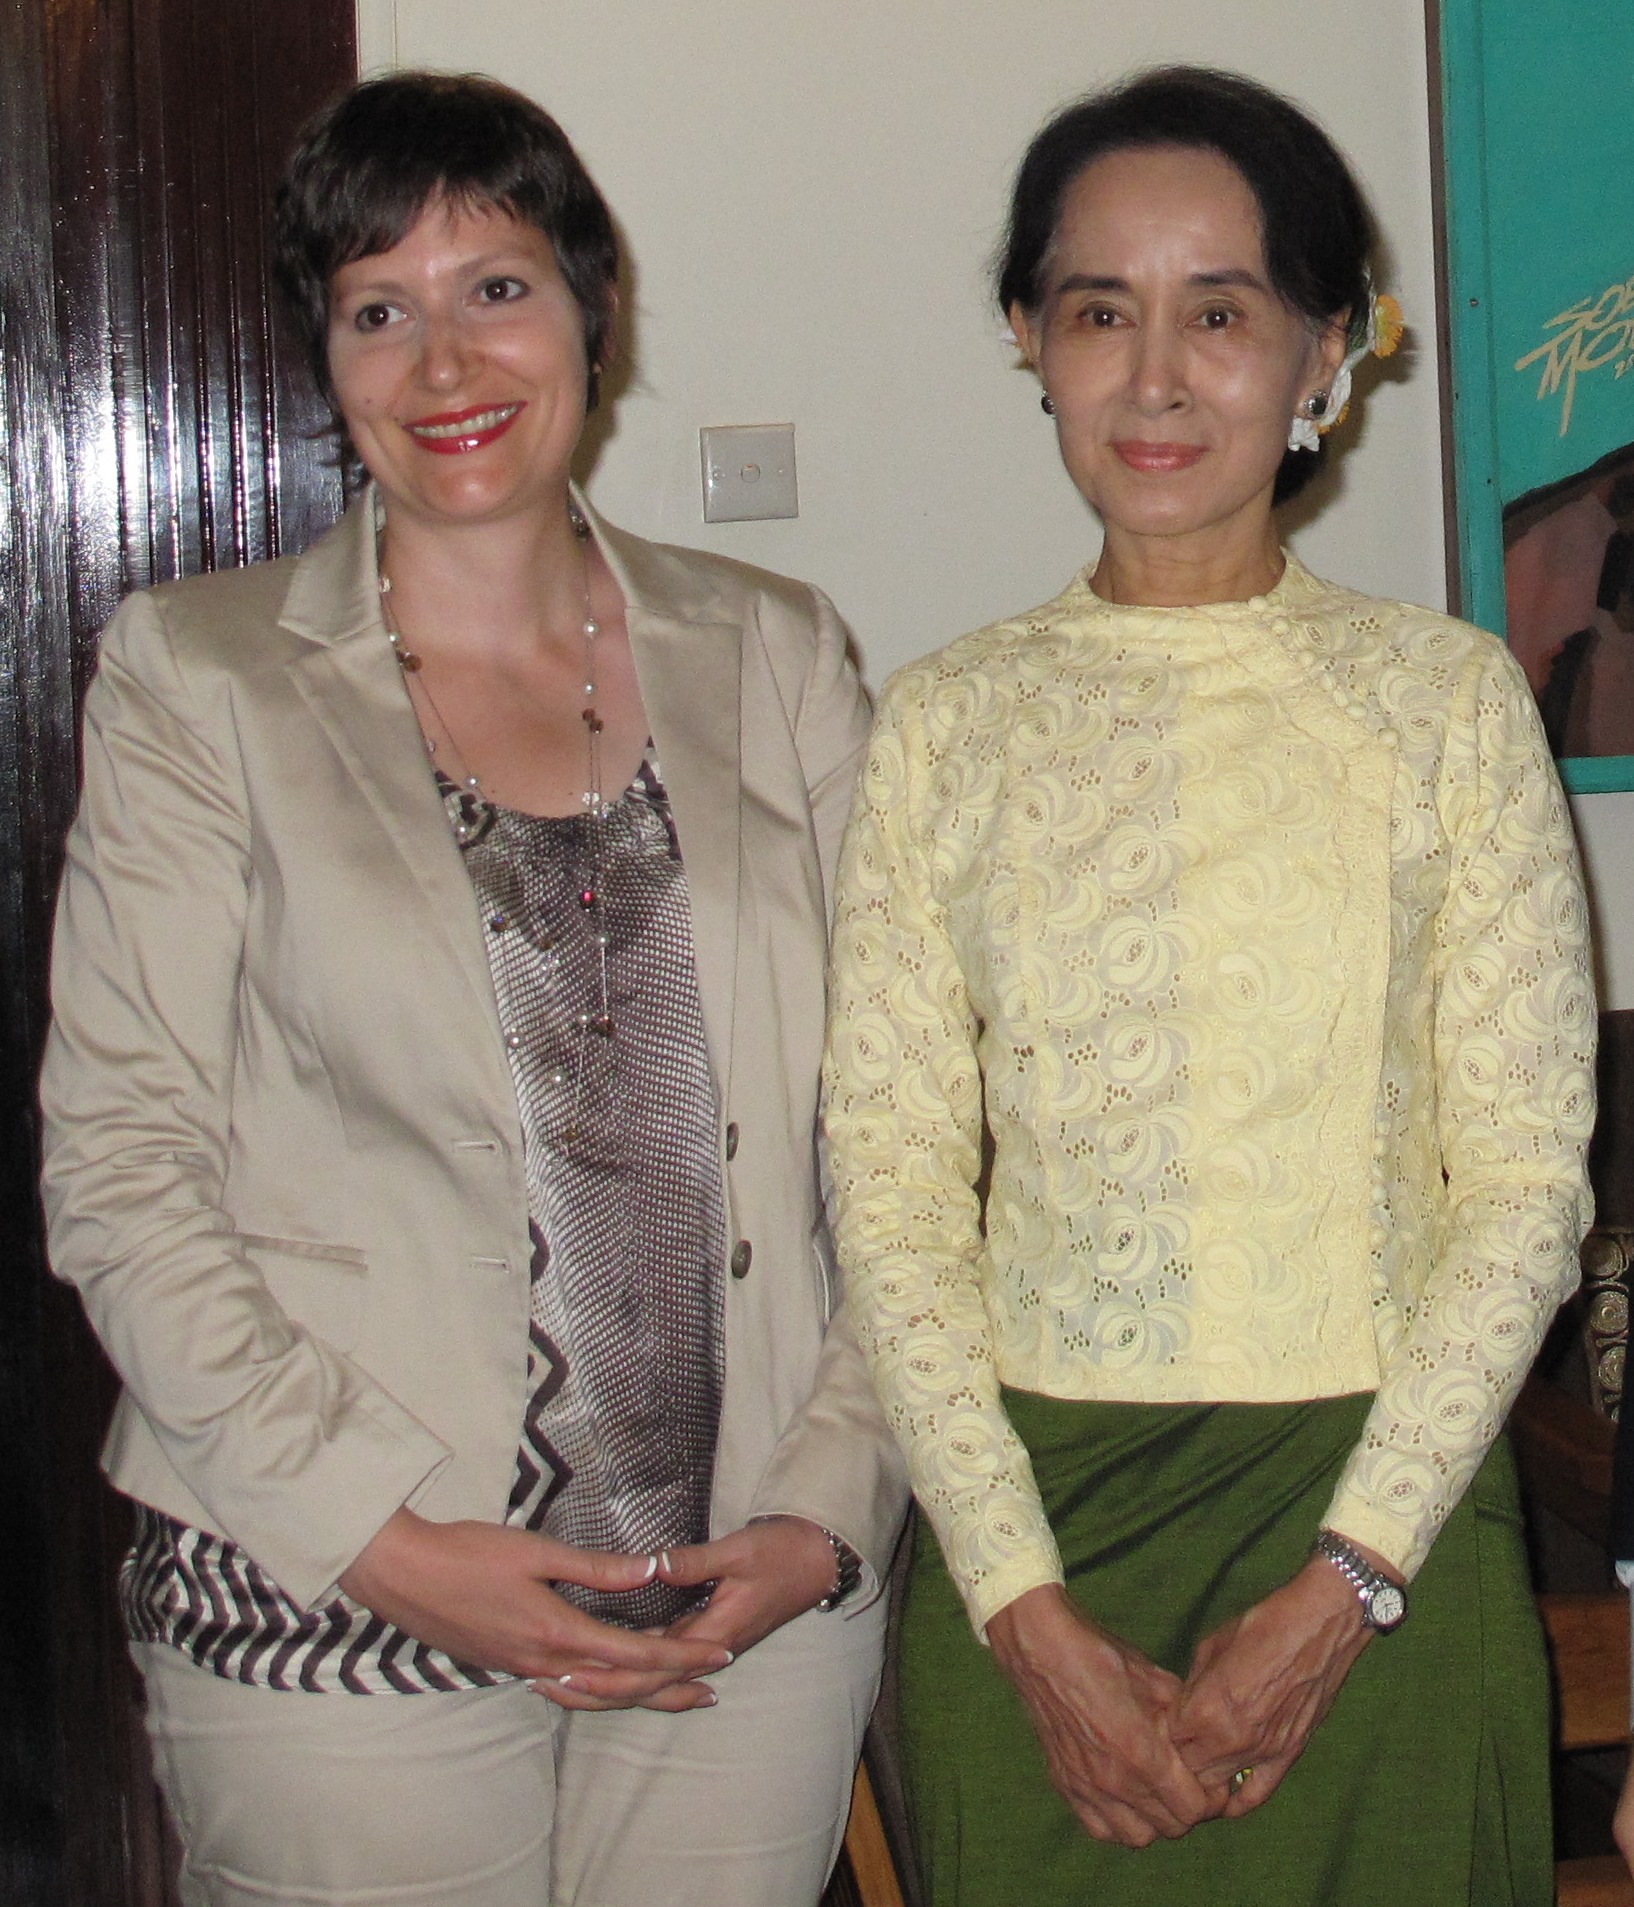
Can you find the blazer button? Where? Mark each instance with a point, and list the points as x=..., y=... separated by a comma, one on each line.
x=742, y=1257
x=731, y=1142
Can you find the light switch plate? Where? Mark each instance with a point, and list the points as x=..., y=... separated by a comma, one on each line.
x=748, y=472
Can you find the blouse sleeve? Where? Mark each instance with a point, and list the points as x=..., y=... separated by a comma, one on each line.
x=836, y=1464
x=1513, y=1052
x=904, y=1118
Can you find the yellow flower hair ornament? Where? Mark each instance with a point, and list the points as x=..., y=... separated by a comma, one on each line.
x=1385, y=325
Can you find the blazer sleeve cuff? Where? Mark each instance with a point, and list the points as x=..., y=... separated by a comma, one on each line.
x=864, y=1508
x=307, y=1530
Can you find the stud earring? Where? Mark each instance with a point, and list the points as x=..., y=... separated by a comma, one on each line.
x=1316, y=405
x=1047, y=405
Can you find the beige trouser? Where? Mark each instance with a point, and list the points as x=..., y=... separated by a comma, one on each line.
x=497, y=1798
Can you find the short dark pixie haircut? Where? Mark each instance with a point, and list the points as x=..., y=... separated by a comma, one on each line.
x=369, y=163
x=1315, y=224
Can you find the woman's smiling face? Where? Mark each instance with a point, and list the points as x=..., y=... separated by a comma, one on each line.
x=1173, y=363
x=458, y=363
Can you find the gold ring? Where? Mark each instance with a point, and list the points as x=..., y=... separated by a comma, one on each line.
x=1240, y=1779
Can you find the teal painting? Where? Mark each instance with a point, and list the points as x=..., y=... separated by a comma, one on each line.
x=1537, y=102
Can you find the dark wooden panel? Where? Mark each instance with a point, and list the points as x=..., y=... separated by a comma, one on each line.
x=196, y=442
x=156, y=422
x=33, y=652
x=1564, y=1451
x=1611, y=1158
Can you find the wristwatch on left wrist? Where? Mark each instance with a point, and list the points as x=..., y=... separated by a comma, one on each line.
x=847, y=1571
x=1384, y=1603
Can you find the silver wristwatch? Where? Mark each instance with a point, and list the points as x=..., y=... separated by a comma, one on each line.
x=847, y=1572
x=1384, y=1603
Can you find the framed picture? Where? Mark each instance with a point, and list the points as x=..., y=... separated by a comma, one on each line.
x=1537, y=152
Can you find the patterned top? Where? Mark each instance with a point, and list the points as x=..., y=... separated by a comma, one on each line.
x=625, y=1196
x=1255, y=932
x=627, y=1217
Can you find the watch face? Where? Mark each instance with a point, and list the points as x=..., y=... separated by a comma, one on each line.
x=1386, y=1606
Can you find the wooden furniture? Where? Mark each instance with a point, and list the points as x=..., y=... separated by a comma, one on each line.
x=1589, y=1644
x=1564, y=1444
x=867, y=1849
x=1601, y=1880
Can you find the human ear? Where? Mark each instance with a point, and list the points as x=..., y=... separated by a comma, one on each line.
x=1028, y=334
x=1331, y=345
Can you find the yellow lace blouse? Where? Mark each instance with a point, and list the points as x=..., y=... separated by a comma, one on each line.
x=1256, y=931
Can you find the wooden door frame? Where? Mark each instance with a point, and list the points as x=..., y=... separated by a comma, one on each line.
x=156, y=423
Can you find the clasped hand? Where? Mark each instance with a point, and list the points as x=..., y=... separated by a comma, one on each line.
x=763, y=1575
x=1138, y=1754
x=483, y=1594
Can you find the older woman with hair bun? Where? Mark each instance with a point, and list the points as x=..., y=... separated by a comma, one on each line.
x=1240, y=913
x=431, y=1108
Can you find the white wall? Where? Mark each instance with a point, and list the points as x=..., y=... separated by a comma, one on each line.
x=809, y=192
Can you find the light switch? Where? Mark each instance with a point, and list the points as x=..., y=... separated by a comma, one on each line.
x=748, y=472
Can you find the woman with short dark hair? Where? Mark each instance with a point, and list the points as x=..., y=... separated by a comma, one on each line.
x=365, y=170
x=1239, y=915
x=430, y=1109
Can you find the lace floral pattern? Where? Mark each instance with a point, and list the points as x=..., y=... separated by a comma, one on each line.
x=1239, y=926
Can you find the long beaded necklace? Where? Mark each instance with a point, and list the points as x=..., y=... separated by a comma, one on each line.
x=593, y=799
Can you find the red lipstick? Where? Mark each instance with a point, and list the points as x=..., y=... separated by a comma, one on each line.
x=1158, y=458
x=452, y=433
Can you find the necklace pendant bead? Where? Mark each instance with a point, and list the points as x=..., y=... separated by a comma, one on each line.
x=587, y=897
x=591, y=626
x=407, y=660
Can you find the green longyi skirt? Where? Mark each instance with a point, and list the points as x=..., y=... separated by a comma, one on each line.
x=1427, y=1785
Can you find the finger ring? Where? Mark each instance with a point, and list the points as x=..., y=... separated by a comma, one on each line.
x=1240, y=1779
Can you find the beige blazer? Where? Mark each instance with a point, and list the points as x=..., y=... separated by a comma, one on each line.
x=283, y=1154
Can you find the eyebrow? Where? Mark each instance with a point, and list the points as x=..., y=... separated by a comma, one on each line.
x=492, y=263
x=1206, y=280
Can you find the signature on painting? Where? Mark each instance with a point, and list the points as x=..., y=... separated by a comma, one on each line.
x=1590, y=335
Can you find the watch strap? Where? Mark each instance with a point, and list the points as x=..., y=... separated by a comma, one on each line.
x=847, y=1571
x=1384, y=1601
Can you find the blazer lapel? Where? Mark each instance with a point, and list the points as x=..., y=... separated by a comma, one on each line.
x=689, y=661
x=688, y=650
x=350, y=680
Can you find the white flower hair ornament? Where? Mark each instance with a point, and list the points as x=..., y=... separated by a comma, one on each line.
x=1385, y=326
